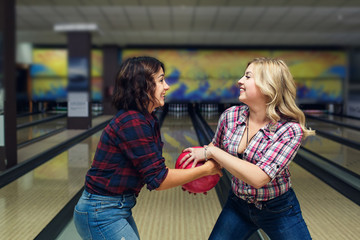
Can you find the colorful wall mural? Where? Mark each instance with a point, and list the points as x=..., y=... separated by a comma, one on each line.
x=198, y=75
x=49, y=73
x=319, y=75
x=211, y=75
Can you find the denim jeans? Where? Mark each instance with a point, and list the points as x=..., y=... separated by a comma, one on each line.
x=105, y=217
x=280, y=218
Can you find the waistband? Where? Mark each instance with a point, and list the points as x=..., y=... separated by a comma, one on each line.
x=122, y=197
x=260, y=204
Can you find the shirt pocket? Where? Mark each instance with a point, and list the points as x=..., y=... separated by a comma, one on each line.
x=228, y=143
x=225, y=142
x=256, y=157
x=261, y=147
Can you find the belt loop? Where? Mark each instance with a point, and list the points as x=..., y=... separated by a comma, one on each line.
x=87, y=194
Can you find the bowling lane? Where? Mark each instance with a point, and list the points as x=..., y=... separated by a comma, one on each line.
x=328, y=214
x=212, y=119
x=36, y=148
x=29, y=203
x=342, y=119
x=41, y=130
x=36, y=117
x=334, y=129
x=334, y=118
x=339, y=154
x=28, y=134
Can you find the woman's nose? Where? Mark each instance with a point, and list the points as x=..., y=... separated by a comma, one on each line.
x=166, y=86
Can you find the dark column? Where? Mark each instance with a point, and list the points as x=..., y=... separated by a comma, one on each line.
x=352, y=88
x=79, y=85
x=8, y=142
x=110, y=68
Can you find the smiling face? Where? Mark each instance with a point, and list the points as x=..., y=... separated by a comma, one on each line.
x=249, y=92
x=160, y=90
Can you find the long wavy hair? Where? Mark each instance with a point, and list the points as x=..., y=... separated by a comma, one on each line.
x=135, y=85
x=275, y=81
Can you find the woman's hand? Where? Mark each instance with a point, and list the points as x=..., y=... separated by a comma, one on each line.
x=194, y=154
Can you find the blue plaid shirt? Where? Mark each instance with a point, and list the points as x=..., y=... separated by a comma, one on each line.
x=128, y=156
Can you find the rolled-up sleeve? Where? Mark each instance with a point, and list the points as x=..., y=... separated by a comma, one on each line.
x=281, y=152
x=141, y=147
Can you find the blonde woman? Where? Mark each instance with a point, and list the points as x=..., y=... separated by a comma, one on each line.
x=256, y=142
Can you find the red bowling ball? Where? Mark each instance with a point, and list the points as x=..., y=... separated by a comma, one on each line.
x=201, y=185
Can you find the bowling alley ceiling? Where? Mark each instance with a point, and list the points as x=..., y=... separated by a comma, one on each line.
x=195, y=22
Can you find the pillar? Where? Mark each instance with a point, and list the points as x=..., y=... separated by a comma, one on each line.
x=79, y=80
x=8, y=140
x=110, y=68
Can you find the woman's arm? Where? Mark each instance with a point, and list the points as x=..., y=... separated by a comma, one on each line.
x=178, y=177
x=276, y=158
x=244, y=170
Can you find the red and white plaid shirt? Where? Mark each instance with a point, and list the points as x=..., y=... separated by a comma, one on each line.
x=272, y=149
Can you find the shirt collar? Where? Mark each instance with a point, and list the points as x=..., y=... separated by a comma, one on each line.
x=243, y=116
x=151, y=117
x=270, y=128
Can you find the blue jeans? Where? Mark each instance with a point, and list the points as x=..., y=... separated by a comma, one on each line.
x=105, y=217
x=280, y=218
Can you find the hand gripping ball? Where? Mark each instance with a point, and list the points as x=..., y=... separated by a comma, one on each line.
x=200, y=185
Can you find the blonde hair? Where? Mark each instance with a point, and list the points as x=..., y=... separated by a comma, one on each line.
x=275, y=81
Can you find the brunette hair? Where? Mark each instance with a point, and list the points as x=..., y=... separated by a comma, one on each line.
x=134, y=85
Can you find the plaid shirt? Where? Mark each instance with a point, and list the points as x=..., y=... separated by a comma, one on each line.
x=128, y=156
x=271, y=149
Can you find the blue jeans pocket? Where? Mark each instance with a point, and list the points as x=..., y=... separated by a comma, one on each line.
x=81, y=221
x=280, y=204
x=278, y=208
x=281, y=218
x=105, y=217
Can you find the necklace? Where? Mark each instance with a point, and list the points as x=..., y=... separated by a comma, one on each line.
x=247, y=131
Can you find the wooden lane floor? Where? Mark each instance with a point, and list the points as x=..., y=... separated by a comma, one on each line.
x=36, y=148
x=30, y=202
x=42, y=127
x=328, y=214
x=334, y=129
x=335, y=152
x=354, y=121
x=35, y=117
x=30, y=133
